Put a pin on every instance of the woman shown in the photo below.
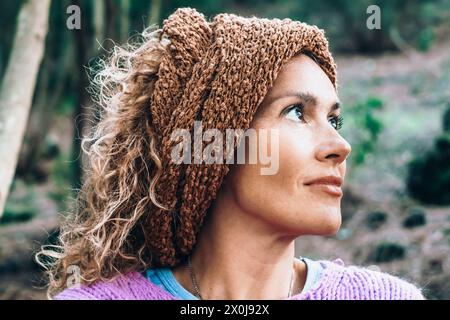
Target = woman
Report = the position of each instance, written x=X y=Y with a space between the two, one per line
x=156 y=222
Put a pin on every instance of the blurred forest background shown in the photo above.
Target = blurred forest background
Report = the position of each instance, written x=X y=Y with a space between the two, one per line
x=394 y=83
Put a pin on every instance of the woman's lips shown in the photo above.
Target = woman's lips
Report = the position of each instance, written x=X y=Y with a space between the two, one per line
x=328 y=184
x=328 y=188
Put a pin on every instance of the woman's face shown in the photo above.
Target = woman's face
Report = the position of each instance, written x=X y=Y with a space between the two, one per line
x=304 y=108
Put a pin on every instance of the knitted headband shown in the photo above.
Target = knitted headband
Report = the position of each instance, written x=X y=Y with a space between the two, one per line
x=217 y=72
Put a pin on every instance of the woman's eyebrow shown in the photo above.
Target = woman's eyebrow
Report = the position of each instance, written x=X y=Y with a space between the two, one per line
x=306 y=97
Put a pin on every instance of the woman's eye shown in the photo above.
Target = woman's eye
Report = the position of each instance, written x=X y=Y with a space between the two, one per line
x=337 y=122
x=295 y=112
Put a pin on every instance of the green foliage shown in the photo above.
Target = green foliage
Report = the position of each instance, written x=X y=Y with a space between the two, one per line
x=429 y=174
x=8 y=15
x=62 y=176
x=425 y=39
x=345 y=22
x=446 y=233
x=415 y=218
x=50 y=150
x=21 y=205
x=387 y=252
x=370 y=126
x=376 y=219
x=16 y=213
x=61 y=171
x=66 y=107
x=446 y=119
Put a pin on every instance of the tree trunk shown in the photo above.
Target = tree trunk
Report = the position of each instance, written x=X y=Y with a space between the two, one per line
x=99 y=22
x=83 y=41
x=155 y=12
x=44 y=106
x=17 y=89
x=124 y=20
x=111 y=10
x=27 y=162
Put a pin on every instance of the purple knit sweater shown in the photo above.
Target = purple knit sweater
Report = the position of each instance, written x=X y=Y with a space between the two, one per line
x=338 y=282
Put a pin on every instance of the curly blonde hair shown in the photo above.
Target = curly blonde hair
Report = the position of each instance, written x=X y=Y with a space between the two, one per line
x=107 y=234
x=136 y=208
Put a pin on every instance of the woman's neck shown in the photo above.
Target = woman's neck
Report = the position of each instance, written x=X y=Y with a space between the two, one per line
x=240 y=257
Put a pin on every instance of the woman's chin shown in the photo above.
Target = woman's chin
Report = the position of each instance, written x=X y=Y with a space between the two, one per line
x=329 y=223
x=332 y=229
x=333 y=224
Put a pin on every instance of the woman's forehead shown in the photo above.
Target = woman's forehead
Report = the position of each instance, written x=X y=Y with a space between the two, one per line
x=299 y=72
x=303 y=78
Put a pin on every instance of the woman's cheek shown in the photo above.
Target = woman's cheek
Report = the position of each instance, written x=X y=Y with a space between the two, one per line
x=296 y=151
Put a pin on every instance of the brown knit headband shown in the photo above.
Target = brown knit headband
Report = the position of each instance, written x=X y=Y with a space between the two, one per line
x=217 y=72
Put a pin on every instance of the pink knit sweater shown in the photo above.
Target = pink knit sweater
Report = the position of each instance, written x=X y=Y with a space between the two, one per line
x=338 y=282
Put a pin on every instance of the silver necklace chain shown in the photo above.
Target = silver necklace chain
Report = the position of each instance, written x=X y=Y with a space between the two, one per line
x=197 y=289
x=194 y=280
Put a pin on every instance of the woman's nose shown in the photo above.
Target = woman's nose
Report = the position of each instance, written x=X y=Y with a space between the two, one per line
x=335 y=149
